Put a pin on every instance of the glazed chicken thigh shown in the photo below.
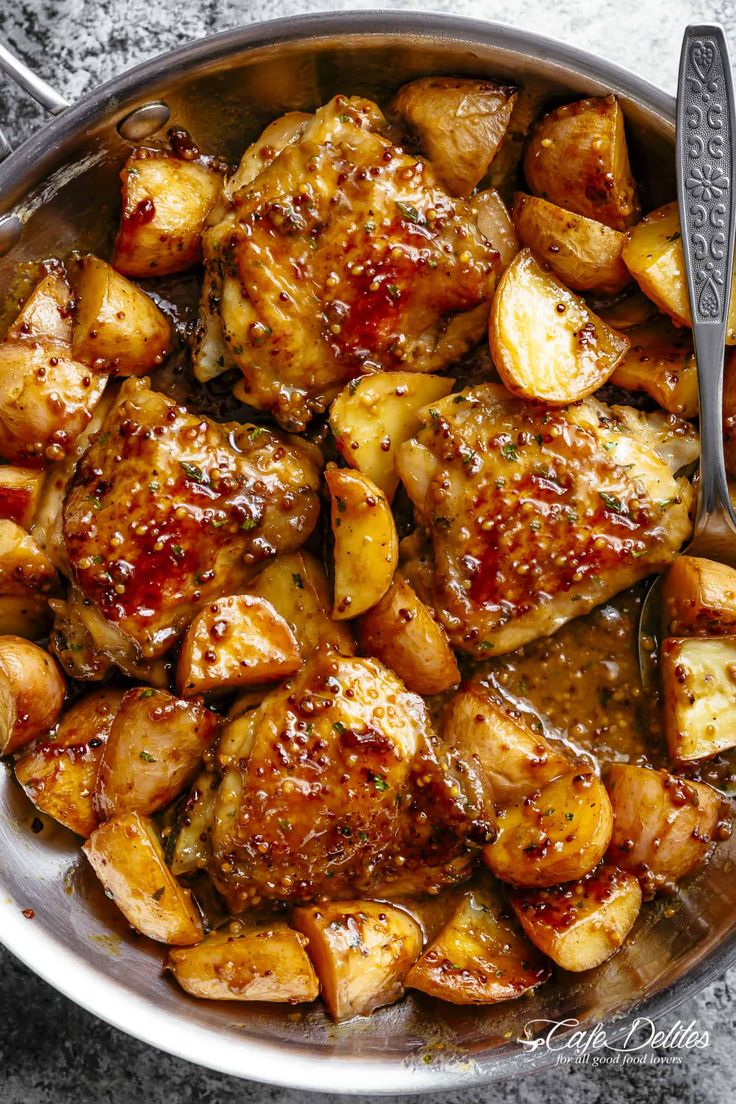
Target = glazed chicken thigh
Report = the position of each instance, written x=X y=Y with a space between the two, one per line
x=529 y=516
x=168 y=510
x=340 y=789
x=343 y=255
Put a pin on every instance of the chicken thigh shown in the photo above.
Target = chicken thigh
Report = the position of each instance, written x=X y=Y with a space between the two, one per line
x=529 y=517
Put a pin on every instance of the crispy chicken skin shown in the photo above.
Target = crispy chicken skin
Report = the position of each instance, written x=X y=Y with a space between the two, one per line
x=344 y=255
x=529 y=517
x=342 y=791
x=168 y=510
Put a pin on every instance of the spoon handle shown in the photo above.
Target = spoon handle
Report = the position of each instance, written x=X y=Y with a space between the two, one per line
x=706 y=167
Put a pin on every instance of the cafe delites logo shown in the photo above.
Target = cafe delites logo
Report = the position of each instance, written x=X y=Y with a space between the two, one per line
x=642 y=1044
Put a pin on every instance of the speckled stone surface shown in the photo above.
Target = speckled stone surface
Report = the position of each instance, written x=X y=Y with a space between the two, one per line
x=51 y=1052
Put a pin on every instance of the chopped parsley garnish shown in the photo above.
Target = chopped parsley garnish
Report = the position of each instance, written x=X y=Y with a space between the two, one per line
x=509 y=451
x=297 y=580
x=612 y=503
x=193 y=472
x=409 y=213
x=147 y=757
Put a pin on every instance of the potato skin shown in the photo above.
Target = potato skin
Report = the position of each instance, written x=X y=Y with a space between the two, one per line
x=583 y=253
x=698 y=678
x=236 y=641
x=545 y=341
x=496 y=226
x=478 y=957
x=20 y=491
x=38 y=690
x=241 y=964
x=126 y=855
x=516 y=760
x=459 y=123
x=165 y=204
x=59 y=774
x=558 y=834
x=661 y=363
x=117 y=328
x=366 y=542
x=152 y=753
x=362 y=951
x=401 y=631
x=699 y=598
x=46 y=316
x=663 y=826
x=580 y=924
x=577 y=157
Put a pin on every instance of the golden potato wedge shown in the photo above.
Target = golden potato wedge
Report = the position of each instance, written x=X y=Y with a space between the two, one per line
x=46 y=316
x=459 y=124
x=577 y=157
x=402 y=632
x=366 y=542
x=165 y=204
x=246 y=963
x=60 y=771
x=479 y=956
x=20 y=491
x=557 y=834
x=546 y=343
x=126 y=855
x=117 y=328
x=661 y=363
x=38 y=690
x=361 y=950
x=26 y=615
x=153 y=751
x=375 y=414
x=46 y=400
x=496 y=226
x=698 y=598
x=580 y=924
x=236 y=641
x=653 y=255
x=633 y=308
x=516 y=760
x=698 y=678
x=190 y=847
x=296 y=586
x=24 y=568
x=583 y=253
x=663 y=826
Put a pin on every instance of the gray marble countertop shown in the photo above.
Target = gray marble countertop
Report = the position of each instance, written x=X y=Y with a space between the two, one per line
x=51 y=1052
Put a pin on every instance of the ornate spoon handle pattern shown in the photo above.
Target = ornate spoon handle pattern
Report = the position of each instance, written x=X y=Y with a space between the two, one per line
x=706 y=167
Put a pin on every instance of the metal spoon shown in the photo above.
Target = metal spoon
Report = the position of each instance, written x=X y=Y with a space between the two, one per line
x=706 y=192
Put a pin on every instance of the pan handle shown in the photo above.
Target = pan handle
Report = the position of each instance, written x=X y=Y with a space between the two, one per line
x=26 y=79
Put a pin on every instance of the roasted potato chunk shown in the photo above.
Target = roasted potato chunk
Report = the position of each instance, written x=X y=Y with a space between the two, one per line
x=247 y=964
x=633 y=308
x=546 y=343
x=661 y=363
x=189 y=849
x=516 y=760
x=653 y=254
x=152 y=753
x=26 y=615
x=479 y=956
x=20 y=491
x=60 y=771
x=459 y=124
x=558 y=834
x=699 y=693
x=577 y=157
x=496 y=226
x=376 y=414
x=362 y=952
x=236 y=641
x=46 y=400
x=118 y=328
x=401 y=631
x=366 y=543
x=583 y=253
x=663 y=826
x=699 y=598
x=126 y=855
x=165 y=204
x=37 y=687
x=580 y=924
x=46 y=316
x=24 y=567
x=297 y=588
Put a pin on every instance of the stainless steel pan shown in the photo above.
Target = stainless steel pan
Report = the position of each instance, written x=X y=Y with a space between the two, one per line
x=61 y=188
